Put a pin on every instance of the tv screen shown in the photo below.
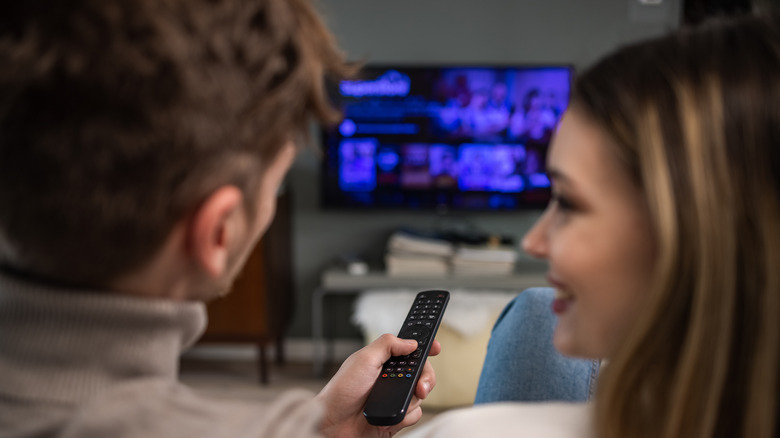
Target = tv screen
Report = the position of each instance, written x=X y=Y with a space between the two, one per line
x=462 y=138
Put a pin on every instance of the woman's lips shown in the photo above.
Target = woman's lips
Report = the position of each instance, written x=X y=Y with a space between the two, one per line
x=560 y=305
x=563 y=298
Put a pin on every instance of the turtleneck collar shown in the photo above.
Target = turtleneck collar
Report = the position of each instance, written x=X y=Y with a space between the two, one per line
x=66 y=344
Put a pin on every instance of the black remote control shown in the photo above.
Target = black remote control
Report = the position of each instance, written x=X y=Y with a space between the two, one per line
x=389 y=399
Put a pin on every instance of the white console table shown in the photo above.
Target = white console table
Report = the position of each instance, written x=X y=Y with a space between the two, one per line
x=338 y=281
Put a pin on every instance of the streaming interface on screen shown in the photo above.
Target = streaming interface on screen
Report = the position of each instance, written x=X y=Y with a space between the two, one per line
x=458 y=138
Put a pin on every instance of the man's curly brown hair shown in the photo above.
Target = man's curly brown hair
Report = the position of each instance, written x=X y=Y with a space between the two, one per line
x=117 y=118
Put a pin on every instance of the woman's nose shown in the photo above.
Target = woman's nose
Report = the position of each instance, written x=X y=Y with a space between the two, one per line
x=535 y=240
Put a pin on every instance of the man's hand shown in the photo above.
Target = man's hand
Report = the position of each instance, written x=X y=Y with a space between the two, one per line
x=346 y=393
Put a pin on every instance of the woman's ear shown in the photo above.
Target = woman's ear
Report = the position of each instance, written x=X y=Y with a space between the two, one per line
x=213 y=229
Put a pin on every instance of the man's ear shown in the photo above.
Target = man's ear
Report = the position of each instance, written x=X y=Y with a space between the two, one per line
x=213 y=228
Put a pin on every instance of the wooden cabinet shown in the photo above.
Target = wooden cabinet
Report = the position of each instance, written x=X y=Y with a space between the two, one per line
x=260 y=305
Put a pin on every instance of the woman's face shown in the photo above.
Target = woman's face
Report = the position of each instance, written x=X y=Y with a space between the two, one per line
x=597 y=238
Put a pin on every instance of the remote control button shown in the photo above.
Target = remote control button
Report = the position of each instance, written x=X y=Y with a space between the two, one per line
x=408 y=376
x=384 y=376
x=422 y=332
x=412 y=362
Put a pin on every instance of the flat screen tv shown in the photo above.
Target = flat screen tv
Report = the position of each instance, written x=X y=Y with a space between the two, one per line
x=444 y=138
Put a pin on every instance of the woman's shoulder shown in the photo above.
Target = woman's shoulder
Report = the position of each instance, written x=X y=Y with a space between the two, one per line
x=517 y=420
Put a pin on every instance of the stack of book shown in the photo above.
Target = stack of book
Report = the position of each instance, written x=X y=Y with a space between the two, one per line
x=415 y=253
x=484 y=259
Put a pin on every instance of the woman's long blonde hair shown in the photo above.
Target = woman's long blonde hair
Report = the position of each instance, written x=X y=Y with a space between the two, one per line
x=696 y=116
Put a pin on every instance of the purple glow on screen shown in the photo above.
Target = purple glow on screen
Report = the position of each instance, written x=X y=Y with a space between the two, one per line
x=463 y=137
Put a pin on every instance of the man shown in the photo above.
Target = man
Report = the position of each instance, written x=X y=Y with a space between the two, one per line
x=142 y=143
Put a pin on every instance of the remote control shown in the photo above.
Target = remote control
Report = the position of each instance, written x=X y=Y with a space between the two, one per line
x=390 y=397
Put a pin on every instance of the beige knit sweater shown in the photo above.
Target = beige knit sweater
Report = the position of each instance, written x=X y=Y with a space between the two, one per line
x=93 y=364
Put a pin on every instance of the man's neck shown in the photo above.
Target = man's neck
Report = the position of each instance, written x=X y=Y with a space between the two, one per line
x=167 y=274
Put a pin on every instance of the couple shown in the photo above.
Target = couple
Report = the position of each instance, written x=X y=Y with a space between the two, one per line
x=141 y=147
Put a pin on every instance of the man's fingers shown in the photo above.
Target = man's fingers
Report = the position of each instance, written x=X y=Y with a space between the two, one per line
x=401 y=347
x=412 y=417
x=435 y=348
x=426 y=383
x=385 y=346
x=389 y=345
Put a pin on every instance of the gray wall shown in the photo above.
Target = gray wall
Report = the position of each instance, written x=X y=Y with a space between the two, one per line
x=446 y=31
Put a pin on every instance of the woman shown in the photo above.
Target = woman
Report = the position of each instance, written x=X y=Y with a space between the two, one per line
x=663 y=242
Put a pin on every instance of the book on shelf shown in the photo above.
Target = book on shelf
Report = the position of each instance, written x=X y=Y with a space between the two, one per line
x=476 y=267
x=414 y=252
x=484 y=260
x=486 y=253
x=405 y=241
x=416 y=264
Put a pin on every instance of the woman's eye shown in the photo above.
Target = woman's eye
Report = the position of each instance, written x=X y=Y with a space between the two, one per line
x=563 y=203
